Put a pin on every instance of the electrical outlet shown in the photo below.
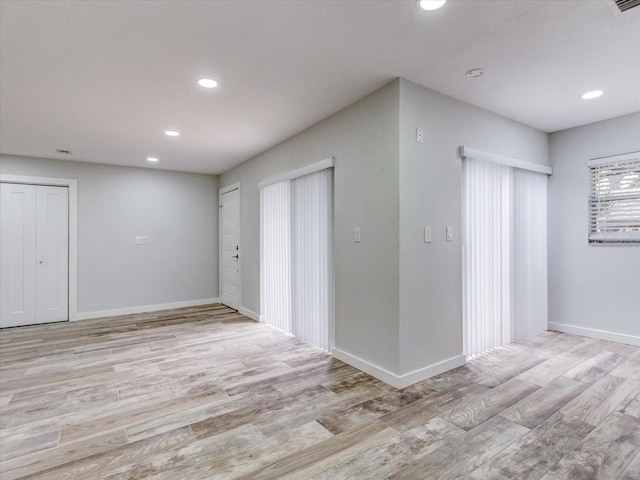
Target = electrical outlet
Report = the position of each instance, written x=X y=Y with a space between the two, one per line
x=419 y=135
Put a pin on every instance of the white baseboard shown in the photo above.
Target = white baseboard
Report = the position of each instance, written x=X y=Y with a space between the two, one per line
x=404 y=380
x=143 y=309
x=249 y=313
x=593 y=333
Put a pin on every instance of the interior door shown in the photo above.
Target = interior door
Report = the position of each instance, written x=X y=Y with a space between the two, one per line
x=230 y=248
x=34 y=250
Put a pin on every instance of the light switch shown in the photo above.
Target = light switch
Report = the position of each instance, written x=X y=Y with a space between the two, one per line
x=142 y=240
x=356 y=235
x=449 y=234
x=427 y=234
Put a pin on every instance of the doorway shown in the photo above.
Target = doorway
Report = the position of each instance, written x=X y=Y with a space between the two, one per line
x=34 y=254
x=230 y=246
x=296 y=254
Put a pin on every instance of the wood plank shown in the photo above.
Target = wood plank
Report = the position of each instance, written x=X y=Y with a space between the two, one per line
x=460 y=456
x=605 y=453
x=204 y=392
x=316 y=458
x=536 y=452
x=473 y=411
x=541 y=404
x=394 y=454
x=599 y=400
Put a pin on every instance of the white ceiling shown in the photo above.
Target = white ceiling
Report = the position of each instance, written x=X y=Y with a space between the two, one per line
x=105 y=79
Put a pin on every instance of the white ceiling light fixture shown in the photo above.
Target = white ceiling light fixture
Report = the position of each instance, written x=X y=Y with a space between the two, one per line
x=207 y=83
x=171 y=133
x=475 y=73
x=430 y=5
x=592 y=94
x=152 y=159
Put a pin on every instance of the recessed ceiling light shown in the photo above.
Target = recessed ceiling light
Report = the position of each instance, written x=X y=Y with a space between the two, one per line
x=207 y=83
x=592 y=94
x=171 y=133
x=152 y=159
x=475 y=73
x=431 y=4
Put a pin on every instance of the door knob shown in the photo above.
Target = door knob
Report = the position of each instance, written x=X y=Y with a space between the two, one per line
x=41 y=262
x=235 y=256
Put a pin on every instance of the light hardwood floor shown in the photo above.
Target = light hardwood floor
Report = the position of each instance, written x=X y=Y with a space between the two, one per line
x=207 y=393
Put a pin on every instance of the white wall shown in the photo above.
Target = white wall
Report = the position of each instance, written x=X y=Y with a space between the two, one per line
x=177 y=211
x=593 y=288
x=430 y=195
x=363 y=139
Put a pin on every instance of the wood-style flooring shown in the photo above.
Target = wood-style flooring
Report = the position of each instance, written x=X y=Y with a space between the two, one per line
x=207 y=393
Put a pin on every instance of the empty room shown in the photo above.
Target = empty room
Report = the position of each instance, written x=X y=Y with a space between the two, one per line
x=320 y=239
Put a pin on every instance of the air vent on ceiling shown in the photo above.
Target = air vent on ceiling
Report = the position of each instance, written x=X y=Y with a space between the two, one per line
x=65 y=152
x=620 y=6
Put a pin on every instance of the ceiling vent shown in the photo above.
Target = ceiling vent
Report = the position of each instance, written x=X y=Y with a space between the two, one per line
x=621 y=6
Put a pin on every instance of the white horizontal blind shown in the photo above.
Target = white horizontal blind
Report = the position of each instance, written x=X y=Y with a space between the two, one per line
x=275 y=271
x=529 y=257
x=614 y=201
x=312 y=258
x=487 y=257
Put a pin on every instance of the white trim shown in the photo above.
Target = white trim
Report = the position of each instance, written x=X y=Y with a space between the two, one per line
x=613 y=158
x=406 y=379
x=222 y=191
x=468 y=152
x=72 y=184
x=249 y=313
x=593 y=333
x=299 y=172
x=144 y=309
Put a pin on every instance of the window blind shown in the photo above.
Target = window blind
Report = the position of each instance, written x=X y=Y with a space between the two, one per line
x=504 y=254
x=275 y=257
x=296 y=294
x=614 y=199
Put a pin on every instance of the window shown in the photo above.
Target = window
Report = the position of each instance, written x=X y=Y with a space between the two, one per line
x=614 y=199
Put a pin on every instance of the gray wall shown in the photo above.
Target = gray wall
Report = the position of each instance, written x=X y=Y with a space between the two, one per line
x=363 y=139
x=591 y=286
x=177 y=211
x=398 y=300
x=430 y=195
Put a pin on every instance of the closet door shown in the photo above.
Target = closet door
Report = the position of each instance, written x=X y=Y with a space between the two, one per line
x=52 y=254
x=34 y=254
x=17 y=254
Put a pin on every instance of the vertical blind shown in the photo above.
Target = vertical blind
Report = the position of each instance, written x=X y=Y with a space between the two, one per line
x=311 y=253
x=275 y=257
x=487 y=256
x=529 y=264
x=505 y=254
x=297 y=257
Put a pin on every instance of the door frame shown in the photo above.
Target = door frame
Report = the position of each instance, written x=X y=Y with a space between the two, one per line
x=72 y=184
x=222 y=191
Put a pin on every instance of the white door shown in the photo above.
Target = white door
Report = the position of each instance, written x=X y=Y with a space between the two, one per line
x=34 y=252
x=230 y=248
